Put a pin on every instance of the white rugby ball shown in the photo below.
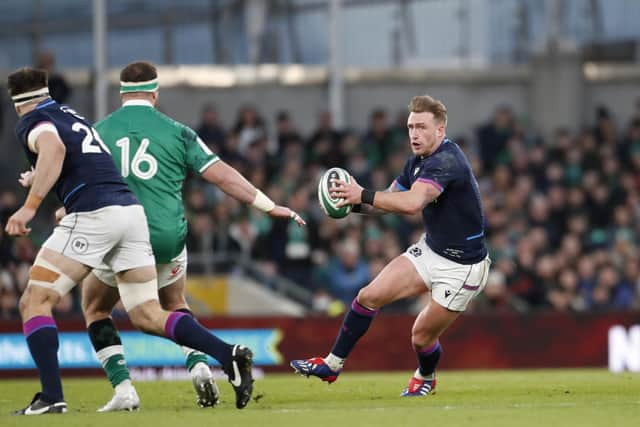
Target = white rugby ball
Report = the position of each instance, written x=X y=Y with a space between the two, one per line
x=327 y=202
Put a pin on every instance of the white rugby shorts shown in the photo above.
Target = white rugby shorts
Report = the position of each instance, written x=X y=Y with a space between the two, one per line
x=116 y=236
x=452 y=285
x=168 y=273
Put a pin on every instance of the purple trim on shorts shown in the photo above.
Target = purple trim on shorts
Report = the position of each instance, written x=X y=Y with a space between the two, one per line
x=425 y=351
x=172 y=321
x=36 y=323
x=470 y=287
x=360 y=309
x=430 y=181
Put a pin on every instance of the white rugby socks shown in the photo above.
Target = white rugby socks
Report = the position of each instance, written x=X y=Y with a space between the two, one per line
x=419 y=376
x=335 y=363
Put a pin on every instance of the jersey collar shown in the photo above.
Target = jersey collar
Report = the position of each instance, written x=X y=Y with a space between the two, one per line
x=137 y=102
x=45 y=103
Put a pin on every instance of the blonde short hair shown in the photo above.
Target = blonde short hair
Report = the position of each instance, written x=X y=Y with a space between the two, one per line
x=427 y=104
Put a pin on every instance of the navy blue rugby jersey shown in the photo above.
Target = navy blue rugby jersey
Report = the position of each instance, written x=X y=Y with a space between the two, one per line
x=89 y=179
x=454 y=222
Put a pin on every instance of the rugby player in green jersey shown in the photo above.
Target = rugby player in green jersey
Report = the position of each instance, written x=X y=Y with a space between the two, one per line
x=153 y=153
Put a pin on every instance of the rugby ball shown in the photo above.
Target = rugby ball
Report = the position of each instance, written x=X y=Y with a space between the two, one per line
x=327 y=202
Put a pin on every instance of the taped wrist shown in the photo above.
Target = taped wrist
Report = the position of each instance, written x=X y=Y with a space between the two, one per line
x=368 y=196
x=33 y=202
x=262 y=202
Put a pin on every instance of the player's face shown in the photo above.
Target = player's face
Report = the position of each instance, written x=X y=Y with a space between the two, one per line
x=424 y=133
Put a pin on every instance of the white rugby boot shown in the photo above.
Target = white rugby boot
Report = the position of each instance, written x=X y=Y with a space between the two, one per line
x=124 y=399
x=205 y=386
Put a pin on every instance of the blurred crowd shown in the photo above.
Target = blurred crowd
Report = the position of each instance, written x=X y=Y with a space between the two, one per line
x=563 y=213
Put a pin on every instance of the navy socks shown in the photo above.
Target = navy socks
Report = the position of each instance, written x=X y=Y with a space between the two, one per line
x=355 y=324
x=184 y=330
x=42 y=338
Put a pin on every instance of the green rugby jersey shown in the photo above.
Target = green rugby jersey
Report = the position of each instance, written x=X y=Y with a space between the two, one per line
x=152 y=152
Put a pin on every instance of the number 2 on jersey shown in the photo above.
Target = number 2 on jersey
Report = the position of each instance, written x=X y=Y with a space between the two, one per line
x=139 y=158
x=90 y=136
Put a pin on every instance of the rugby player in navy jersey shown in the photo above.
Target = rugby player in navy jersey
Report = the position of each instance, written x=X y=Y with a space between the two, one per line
x=105 y=223
x=450 y=259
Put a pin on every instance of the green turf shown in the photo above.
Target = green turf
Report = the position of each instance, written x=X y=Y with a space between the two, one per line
x=470 y=399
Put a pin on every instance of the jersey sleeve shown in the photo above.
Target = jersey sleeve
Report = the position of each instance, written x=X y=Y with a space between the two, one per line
x=402 y=182
x=199 y=157
x=38 y=130
x=440 y=171
x=36 y=125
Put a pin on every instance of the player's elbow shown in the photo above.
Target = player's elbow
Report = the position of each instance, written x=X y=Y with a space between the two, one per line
x=412 y=211
x=61 y=150
x=414 y=207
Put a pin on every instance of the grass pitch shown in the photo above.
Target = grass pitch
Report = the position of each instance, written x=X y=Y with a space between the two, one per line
x=470 y=399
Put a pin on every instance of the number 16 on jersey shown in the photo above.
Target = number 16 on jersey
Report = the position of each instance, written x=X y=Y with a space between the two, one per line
x=141 y=157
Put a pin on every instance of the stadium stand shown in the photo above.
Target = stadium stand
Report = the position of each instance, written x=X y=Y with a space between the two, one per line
x=562 y=213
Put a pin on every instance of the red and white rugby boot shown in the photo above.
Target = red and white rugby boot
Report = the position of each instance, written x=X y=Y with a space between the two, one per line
x=315 y=366
x=420 y=387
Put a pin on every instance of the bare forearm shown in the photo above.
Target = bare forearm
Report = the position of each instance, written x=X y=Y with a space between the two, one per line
x=368 y=210
x=235 y=185
x=230 y=181
x=398 y=202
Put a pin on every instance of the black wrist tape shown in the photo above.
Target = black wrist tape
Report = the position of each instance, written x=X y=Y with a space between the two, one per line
x=367 y=196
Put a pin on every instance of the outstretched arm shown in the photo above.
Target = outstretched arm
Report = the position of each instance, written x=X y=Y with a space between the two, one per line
x=230 y=181
x=369 y=209
x=408 y=202
x=235 y=185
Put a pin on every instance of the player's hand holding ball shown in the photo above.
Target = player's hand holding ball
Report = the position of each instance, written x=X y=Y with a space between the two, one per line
x=338 y=192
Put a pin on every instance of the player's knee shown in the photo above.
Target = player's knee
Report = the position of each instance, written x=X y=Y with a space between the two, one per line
x=46 y=286
x=47 y=281
x=25 y=302
x=92 y=312
x=421 y=337
x=172 y=301
x=36 y=300
x=142 y=321
x=173 y=305
x=146 y=317
x=141 y=302
x=369 y=298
